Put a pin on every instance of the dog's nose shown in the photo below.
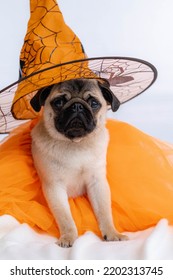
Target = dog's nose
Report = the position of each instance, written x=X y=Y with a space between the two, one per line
x=77 y=107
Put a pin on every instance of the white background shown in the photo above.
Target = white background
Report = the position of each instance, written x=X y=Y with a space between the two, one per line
x=141 y=29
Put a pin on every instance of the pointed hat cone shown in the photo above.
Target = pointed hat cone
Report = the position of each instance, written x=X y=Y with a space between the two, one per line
x=52 y=53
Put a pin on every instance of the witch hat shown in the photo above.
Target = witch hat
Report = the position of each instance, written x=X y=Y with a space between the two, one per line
x=51 y=54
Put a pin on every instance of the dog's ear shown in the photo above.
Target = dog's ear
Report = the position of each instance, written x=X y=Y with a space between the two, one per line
x=39 y=98
x=109 y=95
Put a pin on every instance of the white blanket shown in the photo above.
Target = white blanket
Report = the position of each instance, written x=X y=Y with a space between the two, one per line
x=19 y=241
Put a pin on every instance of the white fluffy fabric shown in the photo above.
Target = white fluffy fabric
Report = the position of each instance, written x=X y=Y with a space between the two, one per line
x=19 y=241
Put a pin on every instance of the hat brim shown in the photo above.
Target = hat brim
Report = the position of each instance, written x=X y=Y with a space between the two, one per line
x=128 y=77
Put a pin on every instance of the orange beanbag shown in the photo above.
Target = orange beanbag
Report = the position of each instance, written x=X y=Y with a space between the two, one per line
x=139 y=171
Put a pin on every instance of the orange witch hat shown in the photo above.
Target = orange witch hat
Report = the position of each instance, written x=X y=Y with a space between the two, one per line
x=52 y=53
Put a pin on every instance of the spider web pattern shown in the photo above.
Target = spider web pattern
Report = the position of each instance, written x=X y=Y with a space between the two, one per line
x=7 y=121
x=51 y=54
x=127 y=77
x=49 y=40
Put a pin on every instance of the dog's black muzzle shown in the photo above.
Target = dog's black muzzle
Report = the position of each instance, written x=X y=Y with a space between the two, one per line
x=75 y=121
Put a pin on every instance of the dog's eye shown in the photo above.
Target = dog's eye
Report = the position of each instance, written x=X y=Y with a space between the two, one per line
x=59 y=102
x=93 y=103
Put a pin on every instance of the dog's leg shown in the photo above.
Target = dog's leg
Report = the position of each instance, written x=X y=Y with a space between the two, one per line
x=99 y=195
x=58 y=202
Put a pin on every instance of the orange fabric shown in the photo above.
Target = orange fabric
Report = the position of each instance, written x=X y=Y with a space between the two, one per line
x=139 y=170
x=52 y=53
x=48 y=42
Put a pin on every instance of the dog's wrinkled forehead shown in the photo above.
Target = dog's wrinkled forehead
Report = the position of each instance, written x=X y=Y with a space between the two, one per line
x=76 y=88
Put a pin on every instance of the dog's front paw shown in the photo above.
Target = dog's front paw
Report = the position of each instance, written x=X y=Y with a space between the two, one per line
x=115 y=236
x=66 y=240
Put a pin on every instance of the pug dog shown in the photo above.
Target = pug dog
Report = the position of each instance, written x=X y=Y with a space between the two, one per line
x=69 y=147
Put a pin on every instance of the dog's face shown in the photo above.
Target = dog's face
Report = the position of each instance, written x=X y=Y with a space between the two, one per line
x=74 y=108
